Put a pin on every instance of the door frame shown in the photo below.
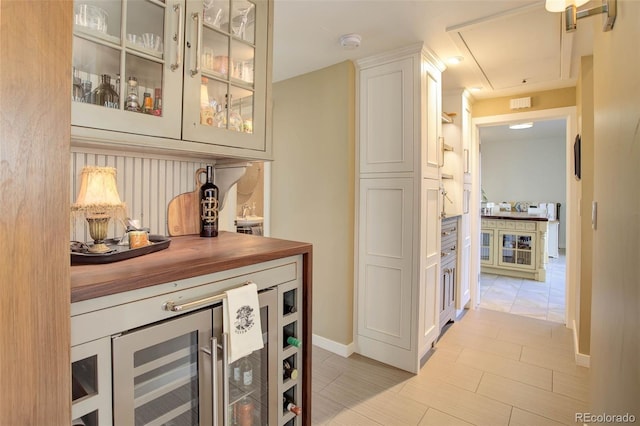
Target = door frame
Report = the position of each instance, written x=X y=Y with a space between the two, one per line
x=572 y=278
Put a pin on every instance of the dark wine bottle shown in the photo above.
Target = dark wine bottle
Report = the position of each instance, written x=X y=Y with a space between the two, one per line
x=289 y=309
x=288 y=372
x=290 y=406
x=209 y=207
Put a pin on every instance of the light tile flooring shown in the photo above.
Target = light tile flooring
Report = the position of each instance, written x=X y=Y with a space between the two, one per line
x=490 y=368
x=535 y=299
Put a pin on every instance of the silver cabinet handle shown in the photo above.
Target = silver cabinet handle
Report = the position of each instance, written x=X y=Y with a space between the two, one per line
x=196 y=18
x=443 y=254
x=445 y=233
x=225 y=377
x=175 y=307
x=178 y=36
x=213 y=353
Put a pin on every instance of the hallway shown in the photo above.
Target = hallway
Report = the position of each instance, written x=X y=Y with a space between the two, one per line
x=490 y=368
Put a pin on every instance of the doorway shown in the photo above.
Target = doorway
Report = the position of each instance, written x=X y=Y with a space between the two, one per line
x=523 y=168
x=522 y=296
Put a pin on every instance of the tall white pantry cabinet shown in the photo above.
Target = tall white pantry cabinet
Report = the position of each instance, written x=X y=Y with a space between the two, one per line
x=397 y=199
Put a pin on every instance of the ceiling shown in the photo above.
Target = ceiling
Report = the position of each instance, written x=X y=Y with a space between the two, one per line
x=544 y=129
x=508 y=47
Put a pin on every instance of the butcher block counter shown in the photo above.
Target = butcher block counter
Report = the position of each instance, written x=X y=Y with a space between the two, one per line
x=143 y=304
x=516 y=216
x=186 y=257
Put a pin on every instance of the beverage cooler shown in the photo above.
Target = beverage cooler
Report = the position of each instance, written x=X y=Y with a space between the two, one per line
x=176 y=372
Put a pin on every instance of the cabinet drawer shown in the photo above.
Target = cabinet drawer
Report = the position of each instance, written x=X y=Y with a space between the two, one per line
x=488 y=223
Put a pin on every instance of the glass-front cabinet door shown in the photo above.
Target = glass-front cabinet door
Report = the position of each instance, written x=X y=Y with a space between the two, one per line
x=127 y=66
x=517 y=250
x=224 y=85
x=486 y=247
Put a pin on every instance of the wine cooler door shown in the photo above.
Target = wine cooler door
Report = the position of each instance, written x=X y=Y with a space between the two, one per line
x=162 y=373
x=248 y=396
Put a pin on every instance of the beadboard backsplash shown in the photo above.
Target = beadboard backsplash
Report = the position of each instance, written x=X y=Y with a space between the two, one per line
x=145 y=183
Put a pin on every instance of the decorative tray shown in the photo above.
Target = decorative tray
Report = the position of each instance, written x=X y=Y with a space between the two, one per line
x=81 y=256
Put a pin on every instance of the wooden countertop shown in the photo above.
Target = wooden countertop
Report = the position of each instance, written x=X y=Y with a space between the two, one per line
x=516 y=216
x=186 y=257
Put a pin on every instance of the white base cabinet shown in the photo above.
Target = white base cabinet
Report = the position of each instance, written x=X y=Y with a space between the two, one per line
x=157 y=357
x=398 y=207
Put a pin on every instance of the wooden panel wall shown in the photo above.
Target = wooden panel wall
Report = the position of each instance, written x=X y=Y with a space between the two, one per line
x=35 y=117
x=145 y=183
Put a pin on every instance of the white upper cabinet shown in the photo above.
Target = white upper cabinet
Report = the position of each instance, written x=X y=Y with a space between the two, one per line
x=399 y=113
x=190 y=77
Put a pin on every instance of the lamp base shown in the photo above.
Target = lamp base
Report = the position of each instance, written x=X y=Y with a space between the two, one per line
x=98 y=231
x=98 y=248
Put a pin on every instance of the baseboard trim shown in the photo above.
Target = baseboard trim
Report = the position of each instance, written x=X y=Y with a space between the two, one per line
x=333 y=346
x=581 y=359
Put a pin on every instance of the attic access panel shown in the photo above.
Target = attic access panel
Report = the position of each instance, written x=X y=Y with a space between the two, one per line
x=513 y=47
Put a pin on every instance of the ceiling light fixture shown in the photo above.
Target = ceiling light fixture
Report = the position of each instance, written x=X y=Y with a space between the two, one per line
x=476 y=89
x=350 y=41
x=455 y=60
x=521 y=126
x=572 y=14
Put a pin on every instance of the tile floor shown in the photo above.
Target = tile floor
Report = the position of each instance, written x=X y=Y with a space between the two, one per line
x=535 y=299
x=489 y=368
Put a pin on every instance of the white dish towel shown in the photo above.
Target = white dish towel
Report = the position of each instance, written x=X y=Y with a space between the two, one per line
x=242 y=321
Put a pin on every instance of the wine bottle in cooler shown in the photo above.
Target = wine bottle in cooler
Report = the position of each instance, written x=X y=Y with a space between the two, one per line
x=288 y=372
x=209 y=207
x=290 y=406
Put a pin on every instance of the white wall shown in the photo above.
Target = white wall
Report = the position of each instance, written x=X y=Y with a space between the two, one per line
x=526 y=170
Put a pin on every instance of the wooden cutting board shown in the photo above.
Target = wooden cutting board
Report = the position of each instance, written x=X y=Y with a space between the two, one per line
x=184 y=209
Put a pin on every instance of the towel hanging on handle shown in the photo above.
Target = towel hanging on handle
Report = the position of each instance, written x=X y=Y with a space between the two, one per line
x=242 y=321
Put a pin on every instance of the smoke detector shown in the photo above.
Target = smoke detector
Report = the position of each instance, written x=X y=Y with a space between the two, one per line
x=350 y=41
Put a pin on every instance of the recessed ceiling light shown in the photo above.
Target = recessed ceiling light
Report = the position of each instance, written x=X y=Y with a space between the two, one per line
x=455 y=60
x=350 y=41
x=521 y=126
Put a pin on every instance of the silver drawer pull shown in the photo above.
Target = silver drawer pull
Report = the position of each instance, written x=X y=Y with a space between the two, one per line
x=178 y=307
x=445 y=233
x=443 y=254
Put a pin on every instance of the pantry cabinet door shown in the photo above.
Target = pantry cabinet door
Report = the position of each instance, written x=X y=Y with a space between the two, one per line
x=385 y=293
x=387 y=117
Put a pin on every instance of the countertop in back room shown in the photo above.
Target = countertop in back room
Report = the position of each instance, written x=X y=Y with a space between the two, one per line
x=516 y=216
x=186 y=257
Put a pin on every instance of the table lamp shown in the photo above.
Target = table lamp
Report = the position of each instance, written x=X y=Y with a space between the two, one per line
x=98 y=201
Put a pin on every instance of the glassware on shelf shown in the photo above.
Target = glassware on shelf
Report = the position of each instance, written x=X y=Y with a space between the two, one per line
x=77 y=93
x=88 y=94
x=147 y=103
x=104 y=95
x=206 y=111
x=157 y=104
x=91 y=17
x=133 y=101
x=220 y=119
x=235 y=121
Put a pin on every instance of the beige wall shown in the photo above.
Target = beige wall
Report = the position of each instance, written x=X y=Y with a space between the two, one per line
x=548 y=99
x=585 y=122
x=615 y=324
x=312 y=181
